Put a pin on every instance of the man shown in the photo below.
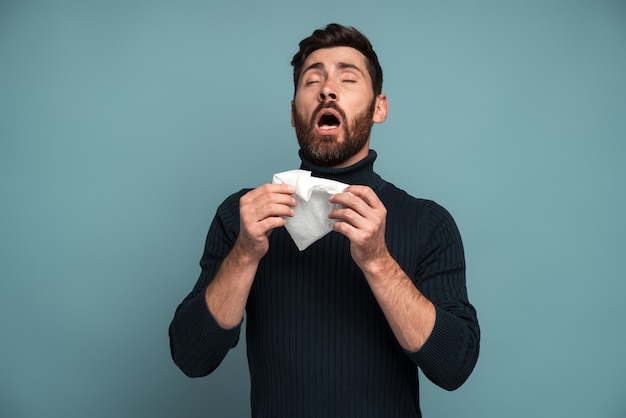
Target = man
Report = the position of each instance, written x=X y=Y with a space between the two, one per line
x=341 y=328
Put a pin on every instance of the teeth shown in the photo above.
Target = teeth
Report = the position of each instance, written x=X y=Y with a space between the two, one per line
x=327 y=127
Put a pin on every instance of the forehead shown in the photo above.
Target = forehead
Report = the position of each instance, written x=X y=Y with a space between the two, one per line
x=331 y=57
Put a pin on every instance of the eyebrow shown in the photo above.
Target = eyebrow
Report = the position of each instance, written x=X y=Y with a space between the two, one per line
x=340 y=65
x=346 y=65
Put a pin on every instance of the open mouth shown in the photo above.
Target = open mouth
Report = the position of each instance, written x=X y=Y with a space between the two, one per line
x=328 y=120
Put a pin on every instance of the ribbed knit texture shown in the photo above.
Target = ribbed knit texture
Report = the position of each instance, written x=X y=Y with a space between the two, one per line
x=318 y=343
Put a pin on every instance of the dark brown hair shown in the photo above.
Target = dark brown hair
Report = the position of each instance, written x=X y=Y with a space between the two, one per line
x=337 y=35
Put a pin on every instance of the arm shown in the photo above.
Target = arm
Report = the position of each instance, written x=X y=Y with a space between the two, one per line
x=206 y=325
x=433 y=327
x=363 y=223
x=261 y=210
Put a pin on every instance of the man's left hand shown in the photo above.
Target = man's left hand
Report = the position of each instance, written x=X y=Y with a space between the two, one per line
x=361 y=218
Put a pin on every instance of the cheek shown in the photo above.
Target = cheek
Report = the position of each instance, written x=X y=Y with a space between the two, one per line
x=359 y=109
x=300 y=112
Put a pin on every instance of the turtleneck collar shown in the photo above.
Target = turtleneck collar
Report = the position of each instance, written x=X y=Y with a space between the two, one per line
x=361 y=173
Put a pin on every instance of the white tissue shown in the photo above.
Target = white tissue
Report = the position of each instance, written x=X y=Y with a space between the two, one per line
x=310 y=221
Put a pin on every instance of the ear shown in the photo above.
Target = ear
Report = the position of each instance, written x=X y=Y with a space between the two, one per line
x=293 y=109
x=381 y=109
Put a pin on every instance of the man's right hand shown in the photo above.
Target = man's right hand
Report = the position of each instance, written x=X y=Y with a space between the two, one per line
x=261 y=211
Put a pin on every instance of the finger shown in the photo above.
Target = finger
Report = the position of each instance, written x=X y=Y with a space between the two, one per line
x=365 y=193
x=285 y=189
x=344 y=228
x=257 y=225
x=279 y=188
x=350 y=217
x=351 y=201
x=357 y=235
x=259 y=212
x=268 y=224
x=267 y=196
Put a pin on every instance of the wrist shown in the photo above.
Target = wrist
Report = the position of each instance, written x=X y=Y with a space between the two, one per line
x=241 y=256
x=379 y=270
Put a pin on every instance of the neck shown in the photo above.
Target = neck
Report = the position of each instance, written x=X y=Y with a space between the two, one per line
x=361 y=172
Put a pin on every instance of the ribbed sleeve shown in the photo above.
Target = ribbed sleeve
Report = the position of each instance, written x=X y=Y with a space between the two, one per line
x=438 y=271
x=449 y=355
x=198 y=344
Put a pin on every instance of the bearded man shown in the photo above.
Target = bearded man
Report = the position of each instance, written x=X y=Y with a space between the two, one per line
x=341 y=328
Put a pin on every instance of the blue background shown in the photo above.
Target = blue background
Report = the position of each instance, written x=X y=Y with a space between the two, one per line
x=123 y=124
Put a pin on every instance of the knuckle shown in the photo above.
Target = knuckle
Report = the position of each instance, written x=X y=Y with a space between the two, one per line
x=349 y=215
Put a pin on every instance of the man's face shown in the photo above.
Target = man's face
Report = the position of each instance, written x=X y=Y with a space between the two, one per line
x=334 y=107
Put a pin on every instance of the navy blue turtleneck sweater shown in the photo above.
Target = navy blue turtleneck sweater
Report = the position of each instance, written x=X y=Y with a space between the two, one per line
x=318 y=343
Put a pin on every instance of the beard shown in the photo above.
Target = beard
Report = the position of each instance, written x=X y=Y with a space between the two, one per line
x=325 y=150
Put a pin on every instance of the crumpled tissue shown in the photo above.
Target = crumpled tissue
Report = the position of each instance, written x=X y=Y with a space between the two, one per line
x=310 y=221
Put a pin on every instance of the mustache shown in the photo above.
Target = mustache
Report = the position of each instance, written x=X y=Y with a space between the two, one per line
x=328 y=105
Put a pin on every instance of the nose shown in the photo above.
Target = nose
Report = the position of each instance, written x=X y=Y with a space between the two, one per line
x=328 y=93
